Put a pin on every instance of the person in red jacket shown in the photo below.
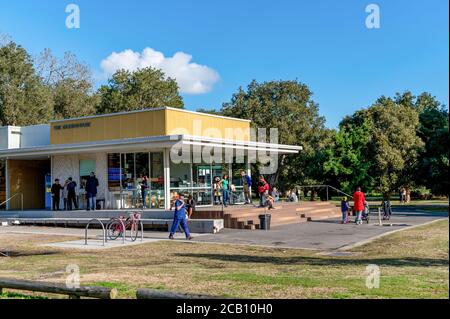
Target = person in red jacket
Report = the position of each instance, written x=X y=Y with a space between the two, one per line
x=263 y=188
x=358 y=204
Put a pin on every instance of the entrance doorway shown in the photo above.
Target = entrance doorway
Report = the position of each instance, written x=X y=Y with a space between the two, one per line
x=27 y=177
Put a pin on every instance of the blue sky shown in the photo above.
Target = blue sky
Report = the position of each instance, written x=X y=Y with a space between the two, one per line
x=322 y=43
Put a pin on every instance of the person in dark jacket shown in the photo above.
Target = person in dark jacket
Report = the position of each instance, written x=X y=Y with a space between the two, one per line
x=56 y=194
x=71 y=195
x=247 y=184
x=91 y=191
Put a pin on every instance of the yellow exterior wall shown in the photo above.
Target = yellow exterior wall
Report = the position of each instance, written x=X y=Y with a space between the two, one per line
x=197 y=124
x=102 y=128
x=148 y=123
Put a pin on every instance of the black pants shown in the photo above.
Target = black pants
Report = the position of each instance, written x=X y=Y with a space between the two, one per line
x=56 y=200
x=71 y=198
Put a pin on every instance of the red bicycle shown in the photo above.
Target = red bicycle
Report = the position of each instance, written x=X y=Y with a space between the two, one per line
x=117 y=227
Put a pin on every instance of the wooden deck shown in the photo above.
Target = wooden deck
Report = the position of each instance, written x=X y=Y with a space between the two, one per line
x=246 y=216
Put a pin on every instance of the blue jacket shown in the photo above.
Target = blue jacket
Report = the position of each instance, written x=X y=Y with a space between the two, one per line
x=248 y=179
x=179 y=213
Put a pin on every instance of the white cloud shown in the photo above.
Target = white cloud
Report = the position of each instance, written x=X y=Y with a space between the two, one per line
x=192 y=78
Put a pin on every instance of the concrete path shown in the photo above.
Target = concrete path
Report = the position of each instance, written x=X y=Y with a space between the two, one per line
x=321 y=235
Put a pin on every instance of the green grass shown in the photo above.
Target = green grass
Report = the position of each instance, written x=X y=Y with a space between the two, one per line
x=414 y=263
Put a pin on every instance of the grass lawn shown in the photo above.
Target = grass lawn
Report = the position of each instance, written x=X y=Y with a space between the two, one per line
x=414 y=264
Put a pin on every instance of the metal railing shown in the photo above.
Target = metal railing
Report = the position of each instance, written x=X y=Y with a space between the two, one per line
x=13 y=196
x=327 y=189
x=86 y=230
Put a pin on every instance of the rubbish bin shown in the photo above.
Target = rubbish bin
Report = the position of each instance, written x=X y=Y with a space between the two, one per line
x=264 y=221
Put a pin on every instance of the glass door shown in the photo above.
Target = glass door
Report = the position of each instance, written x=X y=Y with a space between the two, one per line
x=202 y=180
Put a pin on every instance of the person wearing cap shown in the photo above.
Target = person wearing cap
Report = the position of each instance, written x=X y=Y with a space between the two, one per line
x=179 y=218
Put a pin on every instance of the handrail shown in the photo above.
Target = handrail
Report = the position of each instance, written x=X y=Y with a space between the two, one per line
x=327 y=186
x=21 y=200
x=87 y=226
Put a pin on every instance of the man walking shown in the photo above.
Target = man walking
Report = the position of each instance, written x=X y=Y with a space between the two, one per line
x=179 y=218
x=358 y=204
x=56 y=194
x=247 y=183
x=91 y=191
x=71 y=195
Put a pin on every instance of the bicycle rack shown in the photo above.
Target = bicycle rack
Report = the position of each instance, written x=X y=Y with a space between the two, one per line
x=87 y=226
x=123 y=227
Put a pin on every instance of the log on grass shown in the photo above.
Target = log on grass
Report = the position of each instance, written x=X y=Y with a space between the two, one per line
x=145 y=293
x=57 y=288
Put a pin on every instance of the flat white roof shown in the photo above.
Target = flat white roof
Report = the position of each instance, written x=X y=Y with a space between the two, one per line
x=144 y=143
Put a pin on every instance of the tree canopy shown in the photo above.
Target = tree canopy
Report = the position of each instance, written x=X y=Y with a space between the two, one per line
x=24 y=99
x=144 y=88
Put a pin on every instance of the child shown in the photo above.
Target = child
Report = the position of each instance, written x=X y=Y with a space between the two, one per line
x=345 y=207
x=269 y=201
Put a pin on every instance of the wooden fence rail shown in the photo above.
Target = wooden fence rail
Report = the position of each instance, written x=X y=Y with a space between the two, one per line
x=56 y=288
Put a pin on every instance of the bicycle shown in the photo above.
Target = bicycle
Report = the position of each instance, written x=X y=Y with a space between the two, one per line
x=115 y=227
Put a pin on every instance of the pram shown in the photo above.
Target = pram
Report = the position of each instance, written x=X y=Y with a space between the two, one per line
x=387 y=210
x=366 y=213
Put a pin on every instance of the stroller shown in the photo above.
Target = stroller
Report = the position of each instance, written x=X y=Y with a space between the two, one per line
x=366 y=213
x=387 y=210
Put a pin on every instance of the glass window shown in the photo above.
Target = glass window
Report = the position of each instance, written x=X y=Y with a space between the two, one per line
x=157 y=180
x=86 y=167
x=128 y=171
x=114 y=172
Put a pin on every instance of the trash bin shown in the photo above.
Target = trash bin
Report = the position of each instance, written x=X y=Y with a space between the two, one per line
x=264 y=221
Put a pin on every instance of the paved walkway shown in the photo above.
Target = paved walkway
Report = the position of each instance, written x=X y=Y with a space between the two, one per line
x=322 y=235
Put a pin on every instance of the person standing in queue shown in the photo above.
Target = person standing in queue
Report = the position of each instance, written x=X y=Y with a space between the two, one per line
x=144 y=188
x=91 y=191
x=225 y=187
x=56 y=194
x=71 y=195
x=179 y=218
x=247 y=184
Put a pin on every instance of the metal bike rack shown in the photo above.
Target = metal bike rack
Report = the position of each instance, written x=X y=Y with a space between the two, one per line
x=123 y=227
x=87 y=226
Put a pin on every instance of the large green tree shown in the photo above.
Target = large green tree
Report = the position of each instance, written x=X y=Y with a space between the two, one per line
x=347 y=165
x=287 y=106
x=379 y=147
x=24 y=99
x=433 y=167
x=144 y=88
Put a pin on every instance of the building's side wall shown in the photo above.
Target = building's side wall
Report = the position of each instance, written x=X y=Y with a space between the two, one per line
x=27 y=177
x=137 y=124
x=35 y=135
x=179 y=122
x=66 y=166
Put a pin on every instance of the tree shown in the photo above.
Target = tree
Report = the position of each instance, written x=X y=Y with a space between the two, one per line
x=71 y=83
x=287 y=106
x=346 y=164
x=384 y=148
x=24 y=99
x=433 y=167
x=144 y=88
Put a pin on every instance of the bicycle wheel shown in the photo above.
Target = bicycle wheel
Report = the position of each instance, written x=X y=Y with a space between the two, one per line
x=114 y=230
x=134 y=230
